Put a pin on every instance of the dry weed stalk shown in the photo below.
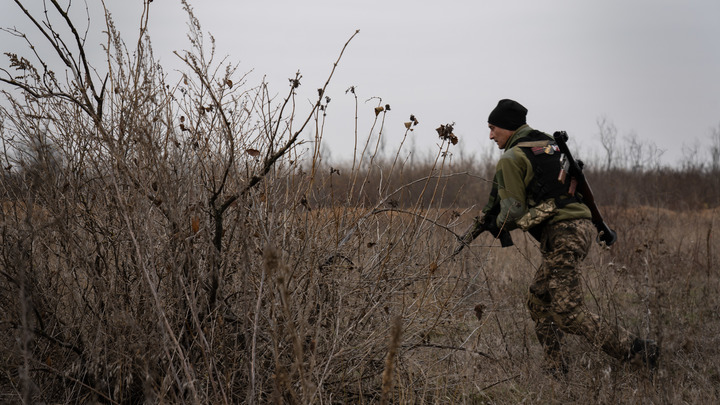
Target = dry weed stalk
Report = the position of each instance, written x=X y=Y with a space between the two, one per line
x=171 y=242
x=387 y=376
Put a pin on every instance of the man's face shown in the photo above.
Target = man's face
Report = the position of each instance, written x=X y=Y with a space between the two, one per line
x=500 y=135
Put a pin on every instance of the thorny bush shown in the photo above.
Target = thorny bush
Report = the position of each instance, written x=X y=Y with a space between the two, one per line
x=172 y=242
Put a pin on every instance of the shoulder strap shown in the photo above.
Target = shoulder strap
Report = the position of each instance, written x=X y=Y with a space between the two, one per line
x=532 y=144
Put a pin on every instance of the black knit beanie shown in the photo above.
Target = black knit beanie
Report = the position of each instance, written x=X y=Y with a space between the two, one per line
x=508 y=114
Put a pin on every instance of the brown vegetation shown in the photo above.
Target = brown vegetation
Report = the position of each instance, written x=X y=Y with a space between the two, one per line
x=181 y=249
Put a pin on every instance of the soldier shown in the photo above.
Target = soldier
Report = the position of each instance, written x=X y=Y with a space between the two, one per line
x=527 y=194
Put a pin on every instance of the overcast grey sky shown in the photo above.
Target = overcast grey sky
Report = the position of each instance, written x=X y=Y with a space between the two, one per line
x=649 y=66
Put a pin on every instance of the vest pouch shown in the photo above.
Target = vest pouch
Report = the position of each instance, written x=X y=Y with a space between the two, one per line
x=537 y=215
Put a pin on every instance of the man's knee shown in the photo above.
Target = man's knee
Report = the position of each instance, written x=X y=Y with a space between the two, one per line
x=538 y=303
x=578 y=321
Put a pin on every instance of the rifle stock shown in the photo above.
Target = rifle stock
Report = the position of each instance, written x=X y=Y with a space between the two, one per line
x=606 y=234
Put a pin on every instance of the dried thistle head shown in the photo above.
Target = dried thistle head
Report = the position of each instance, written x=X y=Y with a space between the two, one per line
x=413 y=121
x=445 y=132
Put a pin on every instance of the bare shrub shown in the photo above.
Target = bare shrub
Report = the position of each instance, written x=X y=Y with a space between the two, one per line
x=170 y=242
x=176 y=254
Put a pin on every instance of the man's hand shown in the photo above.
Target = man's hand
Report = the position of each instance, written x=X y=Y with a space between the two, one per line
x=499 y=233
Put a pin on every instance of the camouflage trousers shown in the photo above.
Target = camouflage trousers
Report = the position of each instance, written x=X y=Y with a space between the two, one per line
x=555 y=299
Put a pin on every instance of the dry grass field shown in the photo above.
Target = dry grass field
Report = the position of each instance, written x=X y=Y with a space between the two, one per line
x=178 y=242
x=311 y=320
x=659 y=280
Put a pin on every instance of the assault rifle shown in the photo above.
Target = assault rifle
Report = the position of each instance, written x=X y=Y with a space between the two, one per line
x=479 y=227
x=578 y=181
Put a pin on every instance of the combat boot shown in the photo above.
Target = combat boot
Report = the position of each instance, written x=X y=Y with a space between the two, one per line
x=648 y=351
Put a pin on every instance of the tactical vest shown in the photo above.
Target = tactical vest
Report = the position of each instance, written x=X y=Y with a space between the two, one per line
x=544 y=155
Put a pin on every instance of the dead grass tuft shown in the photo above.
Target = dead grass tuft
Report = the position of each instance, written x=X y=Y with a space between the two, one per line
x=184 y=247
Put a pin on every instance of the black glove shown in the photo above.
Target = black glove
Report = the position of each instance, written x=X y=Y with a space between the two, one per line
x=490 y=222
